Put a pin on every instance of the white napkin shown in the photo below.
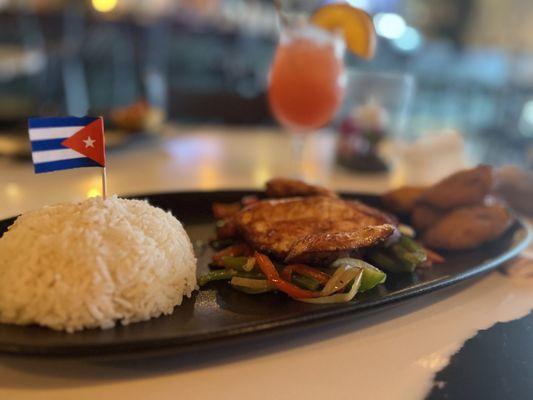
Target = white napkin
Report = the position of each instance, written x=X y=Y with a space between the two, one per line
x=432 y=157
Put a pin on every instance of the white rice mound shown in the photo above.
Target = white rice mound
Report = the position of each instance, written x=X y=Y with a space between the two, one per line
x=90 y=264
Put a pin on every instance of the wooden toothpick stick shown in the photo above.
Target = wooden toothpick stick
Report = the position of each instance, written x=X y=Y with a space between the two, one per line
x=104 y=183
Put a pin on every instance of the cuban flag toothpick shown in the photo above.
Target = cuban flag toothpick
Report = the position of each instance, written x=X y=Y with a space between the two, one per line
x=68 y=142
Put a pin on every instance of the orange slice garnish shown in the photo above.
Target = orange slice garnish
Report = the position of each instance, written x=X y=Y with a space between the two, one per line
x=355 y=25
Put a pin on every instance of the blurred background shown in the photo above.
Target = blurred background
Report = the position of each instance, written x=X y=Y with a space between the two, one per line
x=206 y=61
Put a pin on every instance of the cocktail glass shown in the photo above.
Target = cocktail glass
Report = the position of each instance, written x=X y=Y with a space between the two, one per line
x=307 y=82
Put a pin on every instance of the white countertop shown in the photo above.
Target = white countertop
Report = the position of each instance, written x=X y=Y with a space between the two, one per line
x=186 y=159
x=391 y=354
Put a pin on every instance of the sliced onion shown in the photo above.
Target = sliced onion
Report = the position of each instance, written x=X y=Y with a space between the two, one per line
x=396 y=235
x=339 y=297
x=339 y=262
x=252 y=286
x=407 y=230
x=353 y=262
x=340 y=279
x=250 y=263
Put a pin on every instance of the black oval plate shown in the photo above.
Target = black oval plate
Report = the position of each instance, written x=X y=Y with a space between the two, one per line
x=219 y=315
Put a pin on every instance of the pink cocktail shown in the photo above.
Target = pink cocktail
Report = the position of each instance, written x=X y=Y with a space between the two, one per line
x=307 y=80
x=306 y=83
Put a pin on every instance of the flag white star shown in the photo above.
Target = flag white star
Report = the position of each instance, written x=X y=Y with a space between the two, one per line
x=89 y=142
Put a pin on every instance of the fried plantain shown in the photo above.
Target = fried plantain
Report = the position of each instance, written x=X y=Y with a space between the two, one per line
x=468 y=227
x=515 y=185
x=424 y=216
x=403 y=199
x=464 y=188
x=285 y=187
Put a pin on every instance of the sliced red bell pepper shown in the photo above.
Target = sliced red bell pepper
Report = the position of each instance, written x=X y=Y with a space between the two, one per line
x=304 y=270
x=434 y=257
x=240 y=249
x=270 y=271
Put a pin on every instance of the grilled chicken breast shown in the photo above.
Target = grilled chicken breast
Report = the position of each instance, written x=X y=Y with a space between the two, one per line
x=312 y=229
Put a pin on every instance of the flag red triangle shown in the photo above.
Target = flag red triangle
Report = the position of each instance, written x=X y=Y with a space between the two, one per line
x=89 y=141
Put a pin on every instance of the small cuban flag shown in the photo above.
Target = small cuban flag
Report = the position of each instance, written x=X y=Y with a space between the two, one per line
x=64 y=143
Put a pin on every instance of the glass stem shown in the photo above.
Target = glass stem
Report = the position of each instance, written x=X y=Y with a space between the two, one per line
x=298 y=146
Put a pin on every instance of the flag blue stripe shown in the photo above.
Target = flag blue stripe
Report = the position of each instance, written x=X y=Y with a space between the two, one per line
x=59 y=122
x=50 y=144
x=65 y=164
